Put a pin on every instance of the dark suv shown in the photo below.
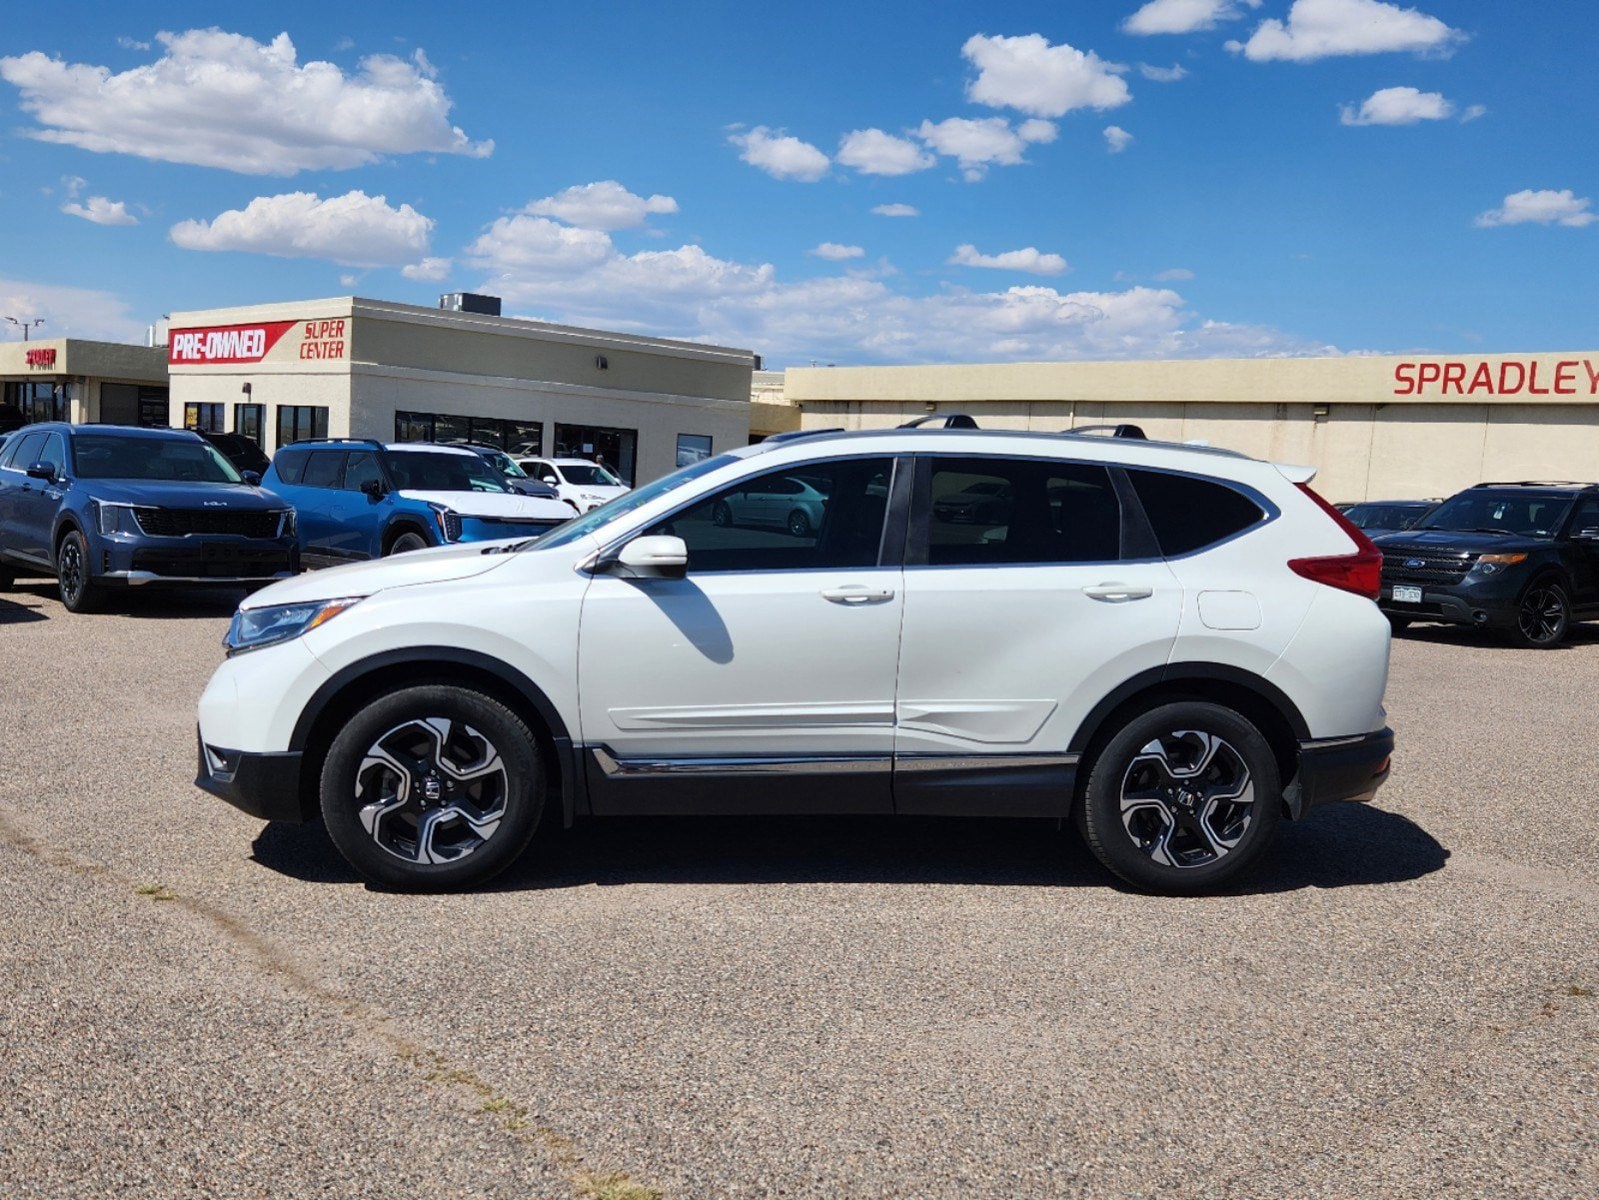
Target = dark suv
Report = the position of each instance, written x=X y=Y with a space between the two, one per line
x=99 y=505
x=1521 y=559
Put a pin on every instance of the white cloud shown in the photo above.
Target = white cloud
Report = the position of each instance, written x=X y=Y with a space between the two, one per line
x=101 y=211
x=780 y=156
x=1169 y=74
x=540 y=246
x=1043 y=80
x=979 y=143
x=604 y=205
x=220 y=99
x=353 y=230
x=1472 y=112
x=429 y=270
x=1324 y=28
x=1397 y=106
x=1175 y=275
x=835 y=252
x=74 y=184
x=349 y=281
x=70 y=311
x=1031 y=260
x=1184 y=16
x=1117 y=139
x=128 y=43
x=873 y=152
x=896 y=210
x=1545 y=207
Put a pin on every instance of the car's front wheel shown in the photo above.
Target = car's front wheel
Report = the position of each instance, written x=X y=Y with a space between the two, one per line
x=407 y=542
x=1182 y=798
x=79 y=592
x=1543 y=618
x=799 y=525
x=432 y=787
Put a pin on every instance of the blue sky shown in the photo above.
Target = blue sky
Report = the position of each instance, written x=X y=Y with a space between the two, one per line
x=1088 y=180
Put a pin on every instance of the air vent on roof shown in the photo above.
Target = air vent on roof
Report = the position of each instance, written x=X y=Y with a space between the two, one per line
x=471 y=302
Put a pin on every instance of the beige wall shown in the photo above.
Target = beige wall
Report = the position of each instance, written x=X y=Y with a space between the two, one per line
x=1360 y=421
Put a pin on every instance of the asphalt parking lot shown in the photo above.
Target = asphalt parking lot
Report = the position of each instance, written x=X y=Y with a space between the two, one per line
x=1402 y=1004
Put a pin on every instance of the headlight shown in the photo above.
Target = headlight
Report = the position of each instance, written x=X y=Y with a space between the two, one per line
x=116 y=518
x=449 y=522
x=253 y=628
x=288 y=523
x=1489 y=563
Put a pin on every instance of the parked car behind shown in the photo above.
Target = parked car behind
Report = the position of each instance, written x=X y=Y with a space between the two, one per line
x=242 y=452
x=587 y=485
x=1385 y=516
x=360 y=499
x=105 y=505
x=1177 y=648
x=518 y=480
x=1518 y=559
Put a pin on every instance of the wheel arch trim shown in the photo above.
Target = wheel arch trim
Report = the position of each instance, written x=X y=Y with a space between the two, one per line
x=1188 y=672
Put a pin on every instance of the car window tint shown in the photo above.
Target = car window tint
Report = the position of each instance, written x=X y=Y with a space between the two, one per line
x=1587 y=519
x=1188 y=514
x=26 y=452
x=290 y=464
x=361 y=468
x=323 y=469
x=832 y=517
x=997 y=511
x=54 y=453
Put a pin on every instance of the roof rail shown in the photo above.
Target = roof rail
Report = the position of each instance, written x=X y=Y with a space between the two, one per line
x=945 y=421
x=794 y=435
x=359 y=440
x=1121 y=431
x=1535 y=483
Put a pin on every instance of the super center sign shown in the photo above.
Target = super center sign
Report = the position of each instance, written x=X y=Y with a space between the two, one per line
x=265 y=342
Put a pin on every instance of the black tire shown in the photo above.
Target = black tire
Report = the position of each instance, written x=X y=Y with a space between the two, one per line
x=79 y=592
x=8 y=579
x=1543 y=615
x=799 y=525
x=1186 y=835
x=408 y=541
x=428 y=730
x=1398 y=624
x=721 y=514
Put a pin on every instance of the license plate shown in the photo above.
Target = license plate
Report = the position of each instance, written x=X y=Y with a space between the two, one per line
x=1407 y=595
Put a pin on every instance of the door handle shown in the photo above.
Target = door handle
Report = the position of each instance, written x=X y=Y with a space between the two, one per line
x=1118 y=592
x=856 y=593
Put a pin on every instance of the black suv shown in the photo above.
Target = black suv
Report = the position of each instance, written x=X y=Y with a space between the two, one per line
x=1518 y=558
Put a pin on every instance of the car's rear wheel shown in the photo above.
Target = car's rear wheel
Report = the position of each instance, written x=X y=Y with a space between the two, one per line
x=1182 y=798
x=407 y=542
x=79 y=592
x=1543 y=617
x=431 y=788
x=799 y=525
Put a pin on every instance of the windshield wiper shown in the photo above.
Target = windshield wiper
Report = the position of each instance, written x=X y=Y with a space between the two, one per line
x=1487 y=529
x=509 y=549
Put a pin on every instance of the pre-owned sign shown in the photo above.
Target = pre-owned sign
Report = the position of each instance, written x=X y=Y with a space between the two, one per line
x=1502 y=377
x=269 y=341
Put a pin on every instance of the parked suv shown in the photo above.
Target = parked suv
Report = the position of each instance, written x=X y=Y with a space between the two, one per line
x=1176 y=647
x=105 y=505
x=518 y=480
x=360 y=499
x=1521 y=559
x=587 y=485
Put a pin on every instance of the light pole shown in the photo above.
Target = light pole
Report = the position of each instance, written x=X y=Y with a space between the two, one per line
x=26 y=325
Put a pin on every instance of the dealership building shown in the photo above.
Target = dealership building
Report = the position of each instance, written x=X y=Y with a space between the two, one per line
x=399 y=372
x=1376 y=428
x=70 y=379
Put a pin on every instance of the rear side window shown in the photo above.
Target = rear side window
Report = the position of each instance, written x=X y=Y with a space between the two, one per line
x=1188 y=514
x=290 y=464
x=993 y=511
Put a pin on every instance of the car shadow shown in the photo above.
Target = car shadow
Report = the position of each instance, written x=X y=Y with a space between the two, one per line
x=1469 y=637
x=13 y=612
x=1341 y=846
x=160 y=603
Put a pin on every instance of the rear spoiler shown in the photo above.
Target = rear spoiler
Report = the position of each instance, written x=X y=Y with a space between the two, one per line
x=1294 y=473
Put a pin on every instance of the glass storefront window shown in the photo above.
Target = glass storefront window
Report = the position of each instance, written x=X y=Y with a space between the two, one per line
x=692 y=448
x=614 y=449
x=38 y=400
x=203 y=418
x=296 y=422
x=517 y=437
x=248 y=420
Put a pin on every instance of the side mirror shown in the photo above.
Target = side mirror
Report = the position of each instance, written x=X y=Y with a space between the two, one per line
x=550 y=479
x=656 y=557
x=373 y=488
x=42 y=471
x=253 y=478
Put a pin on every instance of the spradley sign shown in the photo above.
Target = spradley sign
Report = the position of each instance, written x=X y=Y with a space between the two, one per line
x=268 y=341
x=1498 y=377
x=42 y=359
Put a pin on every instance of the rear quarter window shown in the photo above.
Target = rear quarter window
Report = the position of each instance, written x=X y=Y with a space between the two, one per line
x=1187 y=513
x=290 y=465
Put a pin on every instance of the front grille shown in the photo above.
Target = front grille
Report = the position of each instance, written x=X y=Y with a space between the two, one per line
x=1429 y=568
x=182 y=522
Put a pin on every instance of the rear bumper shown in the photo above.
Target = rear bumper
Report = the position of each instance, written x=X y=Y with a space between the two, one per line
x=1335 y=769
x=266 y=786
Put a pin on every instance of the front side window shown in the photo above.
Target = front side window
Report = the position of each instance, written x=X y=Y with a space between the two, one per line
x=999 y=511
x=823 y=515
x=594 y=475
x=1586 y=522
x=423 y=471
x=1188 y=513
x=361 y=468
x=595 y=519
x=54 y=454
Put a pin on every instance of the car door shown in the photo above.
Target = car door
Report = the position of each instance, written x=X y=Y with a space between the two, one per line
x=358 y=516
x=15 y=484
x=763 y=680
x=38 y=500
x=1016 y=625
x=1582 y=537
x=320 y=509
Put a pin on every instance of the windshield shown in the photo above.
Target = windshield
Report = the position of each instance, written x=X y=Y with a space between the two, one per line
x=589 y=475
x=625 y=503
x=504 y=464
x=440 y=471
x=169 y=460
x=1536 y=514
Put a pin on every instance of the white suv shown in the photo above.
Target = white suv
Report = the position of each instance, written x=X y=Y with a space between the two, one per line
x=1178 y=647
x=583 y=484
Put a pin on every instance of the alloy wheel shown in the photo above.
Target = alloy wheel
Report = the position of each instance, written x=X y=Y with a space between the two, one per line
x=1542 y=615
x=431 y=790
x=1187 y=798
x=70 y=571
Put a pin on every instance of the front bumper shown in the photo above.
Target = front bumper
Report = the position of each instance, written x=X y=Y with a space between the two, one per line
x=1491 y=602
x=135 y=560
x=1343 y=768
x=264 y=785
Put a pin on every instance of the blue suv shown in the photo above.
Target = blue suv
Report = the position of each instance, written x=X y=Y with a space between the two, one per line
x=105 y=505
x=359 y=499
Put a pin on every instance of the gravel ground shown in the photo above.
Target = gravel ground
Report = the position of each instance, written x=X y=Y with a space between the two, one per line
x=1400 y=1004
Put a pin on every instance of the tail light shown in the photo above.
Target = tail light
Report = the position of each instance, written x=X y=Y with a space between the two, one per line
x=1360 y=572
